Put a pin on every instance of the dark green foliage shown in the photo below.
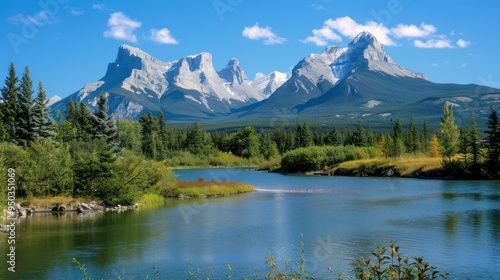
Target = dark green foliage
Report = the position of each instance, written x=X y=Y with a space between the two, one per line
x=245 y=143
x=464 y=145
x=493 y=144
x=333 y=137
x=425 y=138
x=413 y=138
x=25 y=132
x=268 y=148
x=42 y=122
x=319 y=158
x=195 y=140
x=358 y=138
x=104 y=125
x=10 y=105
x=149 y=136
x=303 y=136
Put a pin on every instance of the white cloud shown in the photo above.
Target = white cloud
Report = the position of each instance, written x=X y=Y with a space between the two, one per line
x=121 y=27
x=350 y=28
x=257 y=33
x=259 y=75
x=463 y=65
x=322 y=36
x=318 y=7
x=99 y=7
x=74 y=11
x=162 y=36
x=435 y=64
x=39 y=19
x=463 y=44
x=413 y=31
x=347 y=27
x=433 y=44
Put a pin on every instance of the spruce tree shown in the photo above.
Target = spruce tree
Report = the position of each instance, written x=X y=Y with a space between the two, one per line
x=10 y=106
x=104 y=125
x=149 y=137
x=413 y=139
x=358 y=136
x=26 y=131
x=425 y=137
x=493 y=138
x=475 y=148
x=85 y=127
x=42 y=122
x=164 y=134
x=333 y=137
x=464 y=145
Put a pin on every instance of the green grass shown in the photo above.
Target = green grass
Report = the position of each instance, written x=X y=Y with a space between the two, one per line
x=212 y=188
x=151 y=198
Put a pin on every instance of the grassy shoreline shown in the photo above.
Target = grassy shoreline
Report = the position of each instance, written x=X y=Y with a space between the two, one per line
x=201 y=188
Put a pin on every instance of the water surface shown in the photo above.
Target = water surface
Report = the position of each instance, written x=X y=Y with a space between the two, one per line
x=453 y=224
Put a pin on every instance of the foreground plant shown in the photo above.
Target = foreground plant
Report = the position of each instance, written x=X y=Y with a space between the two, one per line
x=388 y=263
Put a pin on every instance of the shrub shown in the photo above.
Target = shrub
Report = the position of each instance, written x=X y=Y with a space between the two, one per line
x=318 y=158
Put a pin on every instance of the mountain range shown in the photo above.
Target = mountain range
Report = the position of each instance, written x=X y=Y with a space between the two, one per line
x=360 y=82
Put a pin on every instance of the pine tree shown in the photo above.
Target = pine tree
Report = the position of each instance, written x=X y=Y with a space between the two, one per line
x=413 y=139
x=163 y=134
x=475 y=148
x=104 y=125
x=425 y=137
x=449 y=132
x=464 y=145
x=85 y=127
x=333 y=137
x=149 y=138
x=194 y=139
x=26 y=130
x=493 y=138
x=72 y=112
x=42 y=122
x=317 y=137
x=10 y=106
x=279 y=137
x=358 y=136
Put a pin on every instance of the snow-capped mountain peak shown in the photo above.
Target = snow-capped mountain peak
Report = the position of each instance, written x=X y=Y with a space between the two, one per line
x=270 y=82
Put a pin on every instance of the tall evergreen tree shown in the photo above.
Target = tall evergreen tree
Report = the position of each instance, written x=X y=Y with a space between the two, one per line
x=279 y=137
x=333 y=137
x=104 y=125
x=194 y=139
x=25 y=133
x=163 y=134
x=493 y=138
x=464 y=145
x=425 y=137
x=475 y=147
x=449 y=133
x=317 y=137
x=10 y=106
x=413 y=140
x=42 y=122
x=149 y=137
x=358 y=136
x=85 y=126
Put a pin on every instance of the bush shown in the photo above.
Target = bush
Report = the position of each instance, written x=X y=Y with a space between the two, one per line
x=318 y=158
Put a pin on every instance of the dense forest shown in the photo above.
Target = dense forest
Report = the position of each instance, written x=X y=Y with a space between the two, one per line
x=80 y=152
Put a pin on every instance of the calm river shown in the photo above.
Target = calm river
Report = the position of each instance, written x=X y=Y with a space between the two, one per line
x=453 y=224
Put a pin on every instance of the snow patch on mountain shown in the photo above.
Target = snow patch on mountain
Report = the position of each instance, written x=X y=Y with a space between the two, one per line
x=372 y=104
x=53 y=100
x=267 y=84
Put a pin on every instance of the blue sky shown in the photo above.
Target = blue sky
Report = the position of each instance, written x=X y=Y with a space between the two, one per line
x=68 y=44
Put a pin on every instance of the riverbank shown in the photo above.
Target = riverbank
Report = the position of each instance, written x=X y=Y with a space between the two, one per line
x=407 y=167
x=201 y=188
